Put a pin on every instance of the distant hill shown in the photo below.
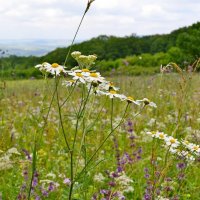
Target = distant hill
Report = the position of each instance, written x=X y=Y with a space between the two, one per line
x=111 y=47
x=180 y=46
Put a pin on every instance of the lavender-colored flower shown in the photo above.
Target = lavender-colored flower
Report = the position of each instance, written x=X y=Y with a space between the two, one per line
x=51 y=187
x=23 y=187
x=25 y=174
x=113 y=175
x=94 y=197
x=104 y=191
x=181 y=176
x=112 y=183
x=117 y=154
x=130 y=123
x=139 y=150
x=131 y=137
x=168 y=179
x=37 y=198
x=181 y=166
x=168 y=188
x=35 y=182
x=146 y=170
x=157 y=173
x=45 y=193
x=67 y=181
x=158 y=191
x=27 y=154
x=147 y=176
x=138 y=157
x=147 y=197
x=21 y=197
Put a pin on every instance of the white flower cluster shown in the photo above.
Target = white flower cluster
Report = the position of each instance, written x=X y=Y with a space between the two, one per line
x=99 y=178
x=92 y=79
x=5 y=161
x=161 y=198
x=124 y=183
x=54 y=69
x=181 y=148
x=194 y=148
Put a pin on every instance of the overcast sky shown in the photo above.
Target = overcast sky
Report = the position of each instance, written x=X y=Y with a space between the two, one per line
x=58 y=19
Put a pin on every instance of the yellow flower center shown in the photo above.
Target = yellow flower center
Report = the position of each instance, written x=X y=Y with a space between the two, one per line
x=113 y=92
x=111 y=84
x=195 y=148
x=79 y=75
x=161 y=136
x=130 y=98
x=71 y=81
x=95 y=75
x=55 y=65
x=172 y=141
x=85 y=70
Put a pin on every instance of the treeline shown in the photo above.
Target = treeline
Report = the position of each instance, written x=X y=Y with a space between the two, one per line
x=181 y=46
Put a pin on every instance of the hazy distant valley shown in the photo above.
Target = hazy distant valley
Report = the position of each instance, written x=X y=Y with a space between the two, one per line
x=30 y=47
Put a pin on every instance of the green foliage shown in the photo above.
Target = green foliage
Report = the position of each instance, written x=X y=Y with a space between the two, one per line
x=21 y=118
x=181 y=46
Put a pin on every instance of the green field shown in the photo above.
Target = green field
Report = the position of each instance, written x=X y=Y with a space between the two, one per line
x=146 y=165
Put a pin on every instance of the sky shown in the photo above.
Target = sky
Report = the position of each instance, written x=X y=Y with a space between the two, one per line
x=58 y=19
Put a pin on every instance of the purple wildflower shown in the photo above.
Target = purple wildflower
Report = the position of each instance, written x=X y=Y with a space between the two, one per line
x=67 y=181
x=45 y=193
x=51 y=187
x=28 y=156
x=181 y=166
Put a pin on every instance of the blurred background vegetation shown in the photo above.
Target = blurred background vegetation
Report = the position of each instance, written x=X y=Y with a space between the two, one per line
x=130 y=55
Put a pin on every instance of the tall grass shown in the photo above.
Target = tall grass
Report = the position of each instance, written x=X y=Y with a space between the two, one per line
x=21 y=117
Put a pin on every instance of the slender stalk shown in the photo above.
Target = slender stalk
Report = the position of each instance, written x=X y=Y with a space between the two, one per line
x=60 y=115
x=72 y=151
x=84 y=133
x=111 y=115
x=153 y=168
x=33 y=168
x=83 y=16
x=79 y=116
x=100 y=146
x=66 y=142
x=85 y=102
x=48 y=112
x=35 y=146
x=70 y=93
x=162 y=174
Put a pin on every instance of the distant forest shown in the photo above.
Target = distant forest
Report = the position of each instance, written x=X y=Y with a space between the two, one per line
x=133 y=52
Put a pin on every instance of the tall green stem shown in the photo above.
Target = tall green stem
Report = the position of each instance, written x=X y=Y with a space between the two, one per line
x=79 y=116
x=100 y=146
x=60 y=115
x=83 y=16
x=34 y=161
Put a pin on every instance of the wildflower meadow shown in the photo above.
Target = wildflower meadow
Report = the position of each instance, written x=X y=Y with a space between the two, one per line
x=79 y=135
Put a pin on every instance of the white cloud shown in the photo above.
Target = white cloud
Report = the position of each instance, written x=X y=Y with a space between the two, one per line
x=59 y=18
x=152 y=10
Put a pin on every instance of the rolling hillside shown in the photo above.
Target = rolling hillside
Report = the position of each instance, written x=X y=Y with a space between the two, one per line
x=180 y=46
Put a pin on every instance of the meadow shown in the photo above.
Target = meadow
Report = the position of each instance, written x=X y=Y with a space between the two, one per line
x=74 y=142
